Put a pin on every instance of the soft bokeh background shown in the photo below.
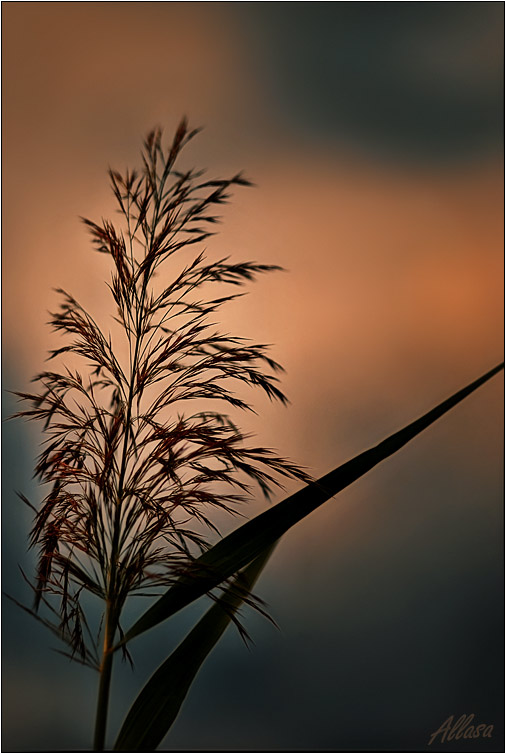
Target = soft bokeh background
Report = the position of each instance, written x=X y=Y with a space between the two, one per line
x=374 y=134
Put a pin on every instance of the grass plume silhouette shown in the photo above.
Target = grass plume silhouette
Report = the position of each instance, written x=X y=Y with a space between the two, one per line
x=132 y=468
x=136 y=468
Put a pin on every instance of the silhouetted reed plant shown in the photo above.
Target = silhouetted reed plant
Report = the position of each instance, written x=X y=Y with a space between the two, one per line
x=135 y=467
x=131 y=472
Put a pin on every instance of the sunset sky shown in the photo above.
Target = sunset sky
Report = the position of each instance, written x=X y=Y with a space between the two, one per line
x=373 y=134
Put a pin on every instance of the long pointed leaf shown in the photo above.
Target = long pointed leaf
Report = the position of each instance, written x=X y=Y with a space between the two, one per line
x=244 y=544
x=159 y=702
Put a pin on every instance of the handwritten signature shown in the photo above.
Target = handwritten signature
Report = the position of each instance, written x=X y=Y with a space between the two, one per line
x=464 y=727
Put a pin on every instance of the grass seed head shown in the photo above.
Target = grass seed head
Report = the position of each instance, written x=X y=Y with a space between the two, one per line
x=136 y=468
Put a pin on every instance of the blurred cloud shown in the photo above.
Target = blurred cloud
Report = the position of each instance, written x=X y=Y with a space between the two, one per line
x=413 y=81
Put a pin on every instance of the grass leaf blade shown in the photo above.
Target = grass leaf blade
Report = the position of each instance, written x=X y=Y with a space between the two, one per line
x=244 y=544
x=159 y=702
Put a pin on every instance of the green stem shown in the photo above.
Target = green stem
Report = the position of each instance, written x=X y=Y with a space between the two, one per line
x=105 y=680
x=113 y=609
x=111 y=615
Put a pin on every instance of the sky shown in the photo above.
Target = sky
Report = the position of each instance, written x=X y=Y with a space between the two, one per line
x=374 y=135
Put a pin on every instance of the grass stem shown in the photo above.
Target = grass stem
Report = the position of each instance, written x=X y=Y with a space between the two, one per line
x=105 y=681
